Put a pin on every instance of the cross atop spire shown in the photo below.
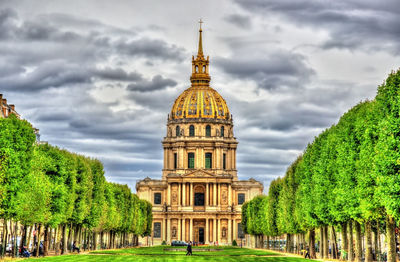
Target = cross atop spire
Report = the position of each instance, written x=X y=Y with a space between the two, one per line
x=200 y=22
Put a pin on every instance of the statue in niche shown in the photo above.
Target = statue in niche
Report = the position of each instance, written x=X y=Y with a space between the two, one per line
x=174 y=232
x=224 y=196
x=182 y=132
x=217 y=132
x=224 y=232
x=174 y=197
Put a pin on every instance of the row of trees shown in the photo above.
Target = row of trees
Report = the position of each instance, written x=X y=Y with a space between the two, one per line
x=62 y=196
x=347 y=179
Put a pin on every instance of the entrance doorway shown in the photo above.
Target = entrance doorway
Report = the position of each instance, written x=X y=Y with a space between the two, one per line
x=201 y=235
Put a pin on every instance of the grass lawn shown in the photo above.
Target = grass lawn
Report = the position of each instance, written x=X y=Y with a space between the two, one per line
x=157 y=253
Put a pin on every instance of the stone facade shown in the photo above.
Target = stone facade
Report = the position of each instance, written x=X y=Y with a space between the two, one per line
x=199 y=197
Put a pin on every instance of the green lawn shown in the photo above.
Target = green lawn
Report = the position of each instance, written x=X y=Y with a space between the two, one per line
x=157 y=253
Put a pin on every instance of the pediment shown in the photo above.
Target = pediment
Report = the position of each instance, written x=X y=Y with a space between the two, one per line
x=199 y=173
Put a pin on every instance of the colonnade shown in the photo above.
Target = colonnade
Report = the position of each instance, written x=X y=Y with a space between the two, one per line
x=213 y=230
x=212 y=194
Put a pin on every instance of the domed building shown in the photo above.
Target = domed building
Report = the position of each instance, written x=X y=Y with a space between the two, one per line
x=199 y=197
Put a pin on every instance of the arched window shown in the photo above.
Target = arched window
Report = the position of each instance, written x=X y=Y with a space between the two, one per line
x=191 y=130
x=178 y=131
x=197 y=69
x=204 y=69
x=208 y=160
x=208 y=130
x=222 y=131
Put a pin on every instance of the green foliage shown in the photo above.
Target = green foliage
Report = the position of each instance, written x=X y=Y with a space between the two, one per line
x=351 y=171
x=234 y=243
x=51 y=186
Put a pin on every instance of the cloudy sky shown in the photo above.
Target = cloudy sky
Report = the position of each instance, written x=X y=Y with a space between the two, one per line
x=99 y=77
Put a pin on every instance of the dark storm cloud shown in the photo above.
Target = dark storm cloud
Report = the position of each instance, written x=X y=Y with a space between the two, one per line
x=371 y=25
x=156 y=83
x=273 y=71
x=241 y=21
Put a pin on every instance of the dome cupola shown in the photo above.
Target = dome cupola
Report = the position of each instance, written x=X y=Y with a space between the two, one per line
x=200 y=101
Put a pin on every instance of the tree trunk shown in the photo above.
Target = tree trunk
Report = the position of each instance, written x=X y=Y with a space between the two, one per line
x=287 y=248
x=267 y=241
x=15 y=246
x=376 y=240
x=312 y=244
x=357 y=228
x=95 y=240
x=3 y=238
x=391 y=241
x=345 y=242
x=38 y=240
x=46 y=241
x=64 y=239
x=28 y=241
x=334 y=242
x=23 y=238
x=368 y=248
x=326 y=245
x=101 y=239
x=321 y=242
x=351 y=246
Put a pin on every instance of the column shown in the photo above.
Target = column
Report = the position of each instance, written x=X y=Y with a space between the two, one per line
x=229 y=231
x=164 y=230
x=215 y=194
x=183 y=229
x=191 y=230
x=234 y=227
x=184 y=195
x=169 y=194
x=207 y=196
x=207 y=232
x=179 y=229
x=180 y=158
x=191 y=194
x=179 y=194
x=214 y=230
x=230 y=194
x=169 y=231
x=219 y=231
x=197 y=159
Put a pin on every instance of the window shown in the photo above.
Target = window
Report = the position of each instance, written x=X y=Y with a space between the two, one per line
x=199 y=199
x=157 y=229
x=204 y=69
x=197 y=69
x=191 y=130
x=208 y=160
x=191 y=160
x=178 y=131
x=157 y=198
x=222 y=131
x=175 y=160
x=208 y=130
x=241 y=198
x=224 y=161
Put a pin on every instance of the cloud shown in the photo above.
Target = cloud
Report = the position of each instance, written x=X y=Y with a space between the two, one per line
x=352 y=25
x=156 y=83
x=240 y=21
x=271 y=71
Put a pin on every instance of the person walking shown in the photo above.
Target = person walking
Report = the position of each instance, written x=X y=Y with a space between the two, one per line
x=75 y=247
x=307 y=253
x=189 y=249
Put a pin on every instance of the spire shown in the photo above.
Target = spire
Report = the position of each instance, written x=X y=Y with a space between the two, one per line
x=200 y=51
x=200 y=76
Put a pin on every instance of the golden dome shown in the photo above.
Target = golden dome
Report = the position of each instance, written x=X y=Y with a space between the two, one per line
x=200 y=100
x=197 y=102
